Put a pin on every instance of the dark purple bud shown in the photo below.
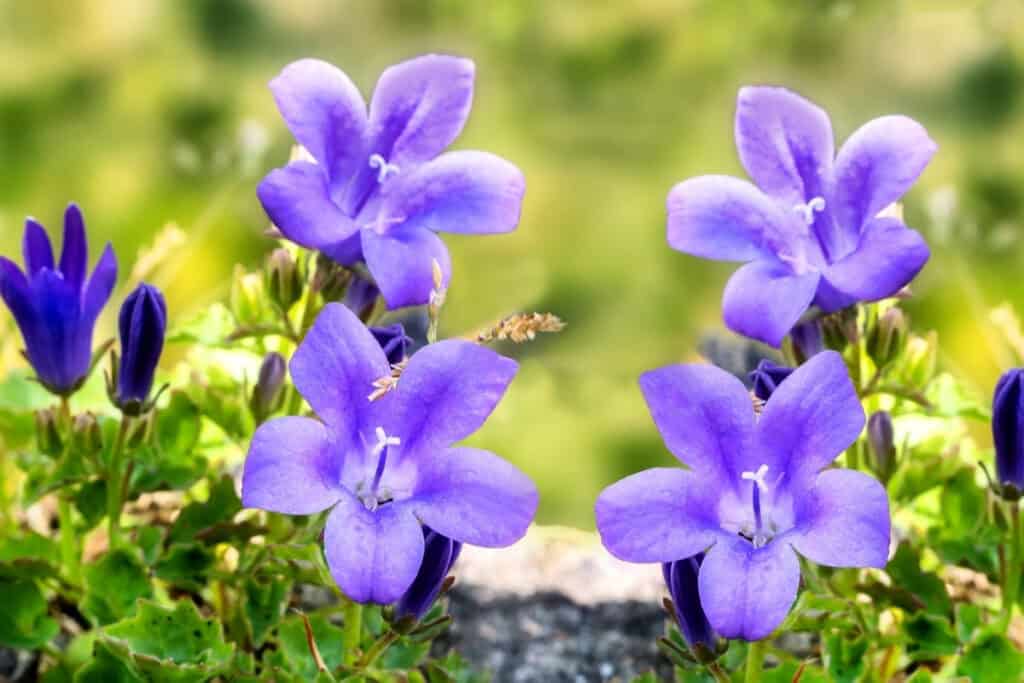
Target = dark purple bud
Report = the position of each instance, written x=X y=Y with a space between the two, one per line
x=142 y=324
x=439 y=554
x=361 y=296
x=1008 y=430
x=267 y=394
x=394 y=341
x=767 y=377
x=681 y=579
x=808 y=340
x=55 y=304
x=882 y=443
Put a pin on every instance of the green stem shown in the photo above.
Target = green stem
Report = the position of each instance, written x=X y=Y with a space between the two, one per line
x=6 y=518
x=755 y=661
x=114 y=500
x=353 y=631
x=377 y=649
x=68 y=543
x=1014 y=560
x=716 y=671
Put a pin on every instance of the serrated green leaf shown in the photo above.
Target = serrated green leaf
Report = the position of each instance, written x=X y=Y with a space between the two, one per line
x=113 y=584
x=992 y=658
x=185 y=565
x=221 y=505
x=929 y=636
x=23 y=619
x=404 y=655
x=265 y=604
x=91 y=501
x=962 y=503
x=28 y=556
x=291 y=638
x=926 y=590
x=110 y=664
x=148 y=540
x=968 y=620
x=844 y=657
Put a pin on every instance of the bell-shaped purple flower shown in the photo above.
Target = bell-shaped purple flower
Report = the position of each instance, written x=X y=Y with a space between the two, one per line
x=809 y=230
x=380 y=185
x=1008 y=430
x=56 y=304
x=393 y=340
x=767 y=377
x=142 y=325
x=439 y=554
x=681 y=579
x=757 y=490
x=386 y=468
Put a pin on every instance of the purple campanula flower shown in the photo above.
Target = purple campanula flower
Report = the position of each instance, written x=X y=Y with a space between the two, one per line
x=756 y=492
x=439 y=554
x=56 y=304
x=142 y=324
x=681 y=579
x=393 y=340
x=379 y=186
x=767 y=377
x=809 y=229
x=1008 y=431
x=386 y=467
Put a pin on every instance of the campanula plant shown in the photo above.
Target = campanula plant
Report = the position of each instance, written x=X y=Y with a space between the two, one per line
x=55 y=304
x=808 y=228
x=142 y=325
x=379 y=184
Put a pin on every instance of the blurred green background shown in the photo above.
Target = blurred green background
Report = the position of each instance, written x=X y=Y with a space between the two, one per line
x=150 y=112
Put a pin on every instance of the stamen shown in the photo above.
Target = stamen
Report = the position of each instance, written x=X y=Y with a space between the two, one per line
x=381 y=449
x=760 y=538
x=757 y=477
x=379 y=162
x=807 y=210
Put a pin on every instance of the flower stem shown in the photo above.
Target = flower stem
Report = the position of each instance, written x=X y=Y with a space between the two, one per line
x=377 y=649
x=718 y=673
x=755 y=661
x=353 y=631
x=1014 y=560
x=114 y=500
x=68 y=546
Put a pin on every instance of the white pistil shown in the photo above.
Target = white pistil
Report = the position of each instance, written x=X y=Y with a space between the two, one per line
x=757 y=477
x=384 y=169
x=384 y=441
x=807 y=210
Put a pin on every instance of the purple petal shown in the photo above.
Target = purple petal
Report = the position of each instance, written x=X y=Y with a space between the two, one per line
x=297 y=200
x=74 y=256
x=446 y=392
x=785 y=143
x=747 y=592
x=844 y=521
x=418 y=108
x=887 y=258
x=466 y=191
x=326 y=113
x=704 y=415
x=474 y=496
x=60 y=349
x=334 y=369
x=658 y=515
x=876 y=166
x=763 y=300
x=723 y=218
x=291 y=468
x=401 y=261
x=1008 y=427
x=100 y=286
x=14 y=289
x=439 y=555
x=810 y=419
x=36 y=248
x=373 y=556
x=681 y=578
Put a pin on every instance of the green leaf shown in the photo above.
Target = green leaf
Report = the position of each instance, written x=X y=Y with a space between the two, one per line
x=265 y=604
x=930 y=637
x=172 y=644
x=648 y=677
x=212 y=327
x=185 y=565
x=221 y=505
x=23 y=619
x=962 y=502
x=404 y=655
x=91 y=501
x=110 y=663
x=950 y=398
x=924 y=590
x=844 y=657
x=170 y=461
x=113 y=584
x=28 y=556
x=992 y=658
x=295 y=649
x=148 y=539
x=968 y=621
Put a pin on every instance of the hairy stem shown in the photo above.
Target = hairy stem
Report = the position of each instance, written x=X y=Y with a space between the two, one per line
x=353 y=631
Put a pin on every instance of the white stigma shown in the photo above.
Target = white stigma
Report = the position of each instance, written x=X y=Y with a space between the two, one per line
x=807 y=210
x=383 y=441
x=385 y=169
x=757 y=477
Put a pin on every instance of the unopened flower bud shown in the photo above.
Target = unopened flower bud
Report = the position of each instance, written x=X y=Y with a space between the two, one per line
x=331 y=279
x=1008 y=433
x=767 y=377
x=283 y=282
x=86 y=437
x=393 y=340
x=142 y=325
x=361 y=296
x=681 y=579
x=919 y=359
x=886 y=336
x=247 y=296
x=807 y=340
x=268 y=393
x=439 y=554
x=881 y=439
x=48 y=433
